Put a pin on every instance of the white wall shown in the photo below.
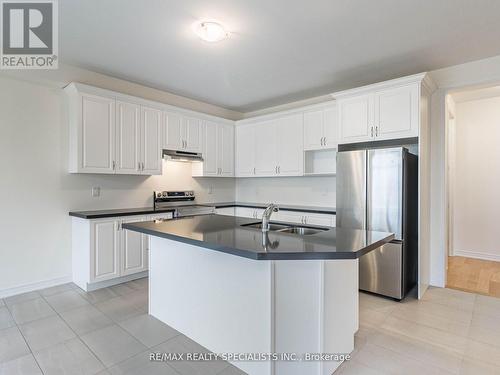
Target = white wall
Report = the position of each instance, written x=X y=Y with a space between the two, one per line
x=37 y=192
x=313 y=191
x=477 y=179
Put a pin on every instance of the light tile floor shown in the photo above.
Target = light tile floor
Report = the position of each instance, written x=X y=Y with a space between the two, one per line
x=447 y=332
x=63 y=330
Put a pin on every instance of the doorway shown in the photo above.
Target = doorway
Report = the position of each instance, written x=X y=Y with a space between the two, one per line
x=472 y=199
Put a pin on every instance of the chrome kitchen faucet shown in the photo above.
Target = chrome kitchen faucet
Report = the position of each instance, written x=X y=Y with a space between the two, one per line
x=266 y=216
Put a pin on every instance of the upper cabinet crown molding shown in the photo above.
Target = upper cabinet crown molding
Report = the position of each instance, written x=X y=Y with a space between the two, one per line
x=77 y=86
x=420 y=78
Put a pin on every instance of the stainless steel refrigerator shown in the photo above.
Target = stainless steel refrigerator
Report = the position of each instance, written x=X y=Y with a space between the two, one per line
x=377 y=189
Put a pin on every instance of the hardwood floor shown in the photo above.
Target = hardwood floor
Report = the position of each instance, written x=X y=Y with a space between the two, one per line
x=474 y=275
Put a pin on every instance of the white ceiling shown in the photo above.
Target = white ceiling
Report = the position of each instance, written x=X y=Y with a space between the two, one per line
x=280 y=50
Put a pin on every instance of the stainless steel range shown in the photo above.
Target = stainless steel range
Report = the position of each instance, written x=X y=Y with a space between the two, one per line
x=184 y=203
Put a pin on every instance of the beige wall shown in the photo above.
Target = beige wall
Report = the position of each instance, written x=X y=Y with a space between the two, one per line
x=476 y=203
x=37 y=192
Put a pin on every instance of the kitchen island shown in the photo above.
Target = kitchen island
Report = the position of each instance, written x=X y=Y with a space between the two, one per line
x=234 y=289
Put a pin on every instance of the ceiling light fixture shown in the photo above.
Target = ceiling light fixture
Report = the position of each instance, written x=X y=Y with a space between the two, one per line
x=211 y=31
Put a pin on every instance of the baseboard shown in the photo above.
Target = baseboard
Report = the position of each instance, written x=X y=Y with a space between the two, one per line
x=476 y=255
x=33 y=286
x=119 y=280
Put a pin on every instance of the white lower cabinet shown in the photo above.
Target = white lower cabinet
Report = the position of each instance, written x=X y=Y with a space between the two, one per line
x=254 y=213
x=296 y=217
x=134 y=246
x=105 y=248
x=288 y=216
x=326 y=220
x=106 y=254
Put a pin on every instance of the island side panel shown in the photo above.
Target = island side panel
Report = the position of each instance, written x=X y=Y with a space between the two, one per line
x=340 y=308
x=221 y=301
x=297 y=313
x=315 y=311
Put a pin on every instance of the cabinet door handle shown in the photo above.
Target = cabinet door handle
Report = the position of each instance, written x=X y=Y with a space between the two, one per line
x=253 y=170
x=305 y=219
x=139 y=166
x=114 y=165
x=279 y=169
x=321 y=141
x=376 y=131
x=324 y=141
x=372 y=131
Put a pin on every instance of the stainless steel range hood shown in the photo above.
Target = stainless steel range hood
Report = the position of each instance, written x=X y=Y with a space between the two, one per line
x=185 y=156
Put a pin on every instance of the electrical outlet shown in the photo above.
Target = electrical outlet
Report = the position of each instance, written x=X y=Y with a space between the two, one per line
x=96 y=191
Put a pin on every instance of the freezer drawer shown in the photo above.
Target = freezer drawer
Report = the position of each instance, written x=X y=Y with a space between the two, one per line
x=381 y=271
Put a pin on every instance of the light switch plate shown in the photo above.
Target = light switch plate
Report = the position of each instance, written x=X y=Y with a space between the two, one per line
x=96 y=191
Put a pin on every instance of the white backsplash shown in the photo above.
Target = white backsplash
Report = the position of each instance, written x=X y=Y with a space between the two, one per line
x=137 y=191
x=312 y=191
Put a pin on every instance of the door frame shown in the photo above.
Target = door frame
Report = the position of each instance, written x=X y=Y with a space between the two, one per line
x=450 y=134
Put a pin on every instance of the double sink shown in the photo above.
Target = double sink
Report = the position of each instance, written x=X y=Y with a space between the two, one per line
x=290 y=229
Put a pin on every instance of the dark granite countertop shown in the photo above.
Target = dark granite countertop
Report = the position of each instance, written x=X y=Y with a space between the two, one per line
x=98 y=214
x=226 y=234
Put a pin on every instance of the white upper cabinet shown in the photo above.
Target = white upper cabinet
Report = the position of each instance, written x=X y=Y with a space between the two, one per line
x=210 y=159
x=112 y=134
x=217 y=151
x=313 y=130
x=151 y=125
x=320 y=128
x=128 y=138
x=290 y=159
x=383 y=111
x=181 y=132
x=93 y=134
x=225 y=150
x=397 y=112
x=266 y=144
x=245 y=150
x=172 y=129
x=330 y=128
x=356 y=119
x=191 y=132
x=271 y=147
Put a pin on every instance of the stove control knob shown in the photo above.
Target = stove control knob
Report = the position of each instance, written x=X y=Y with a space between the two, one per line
x=164 y=194
x=158 y=195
